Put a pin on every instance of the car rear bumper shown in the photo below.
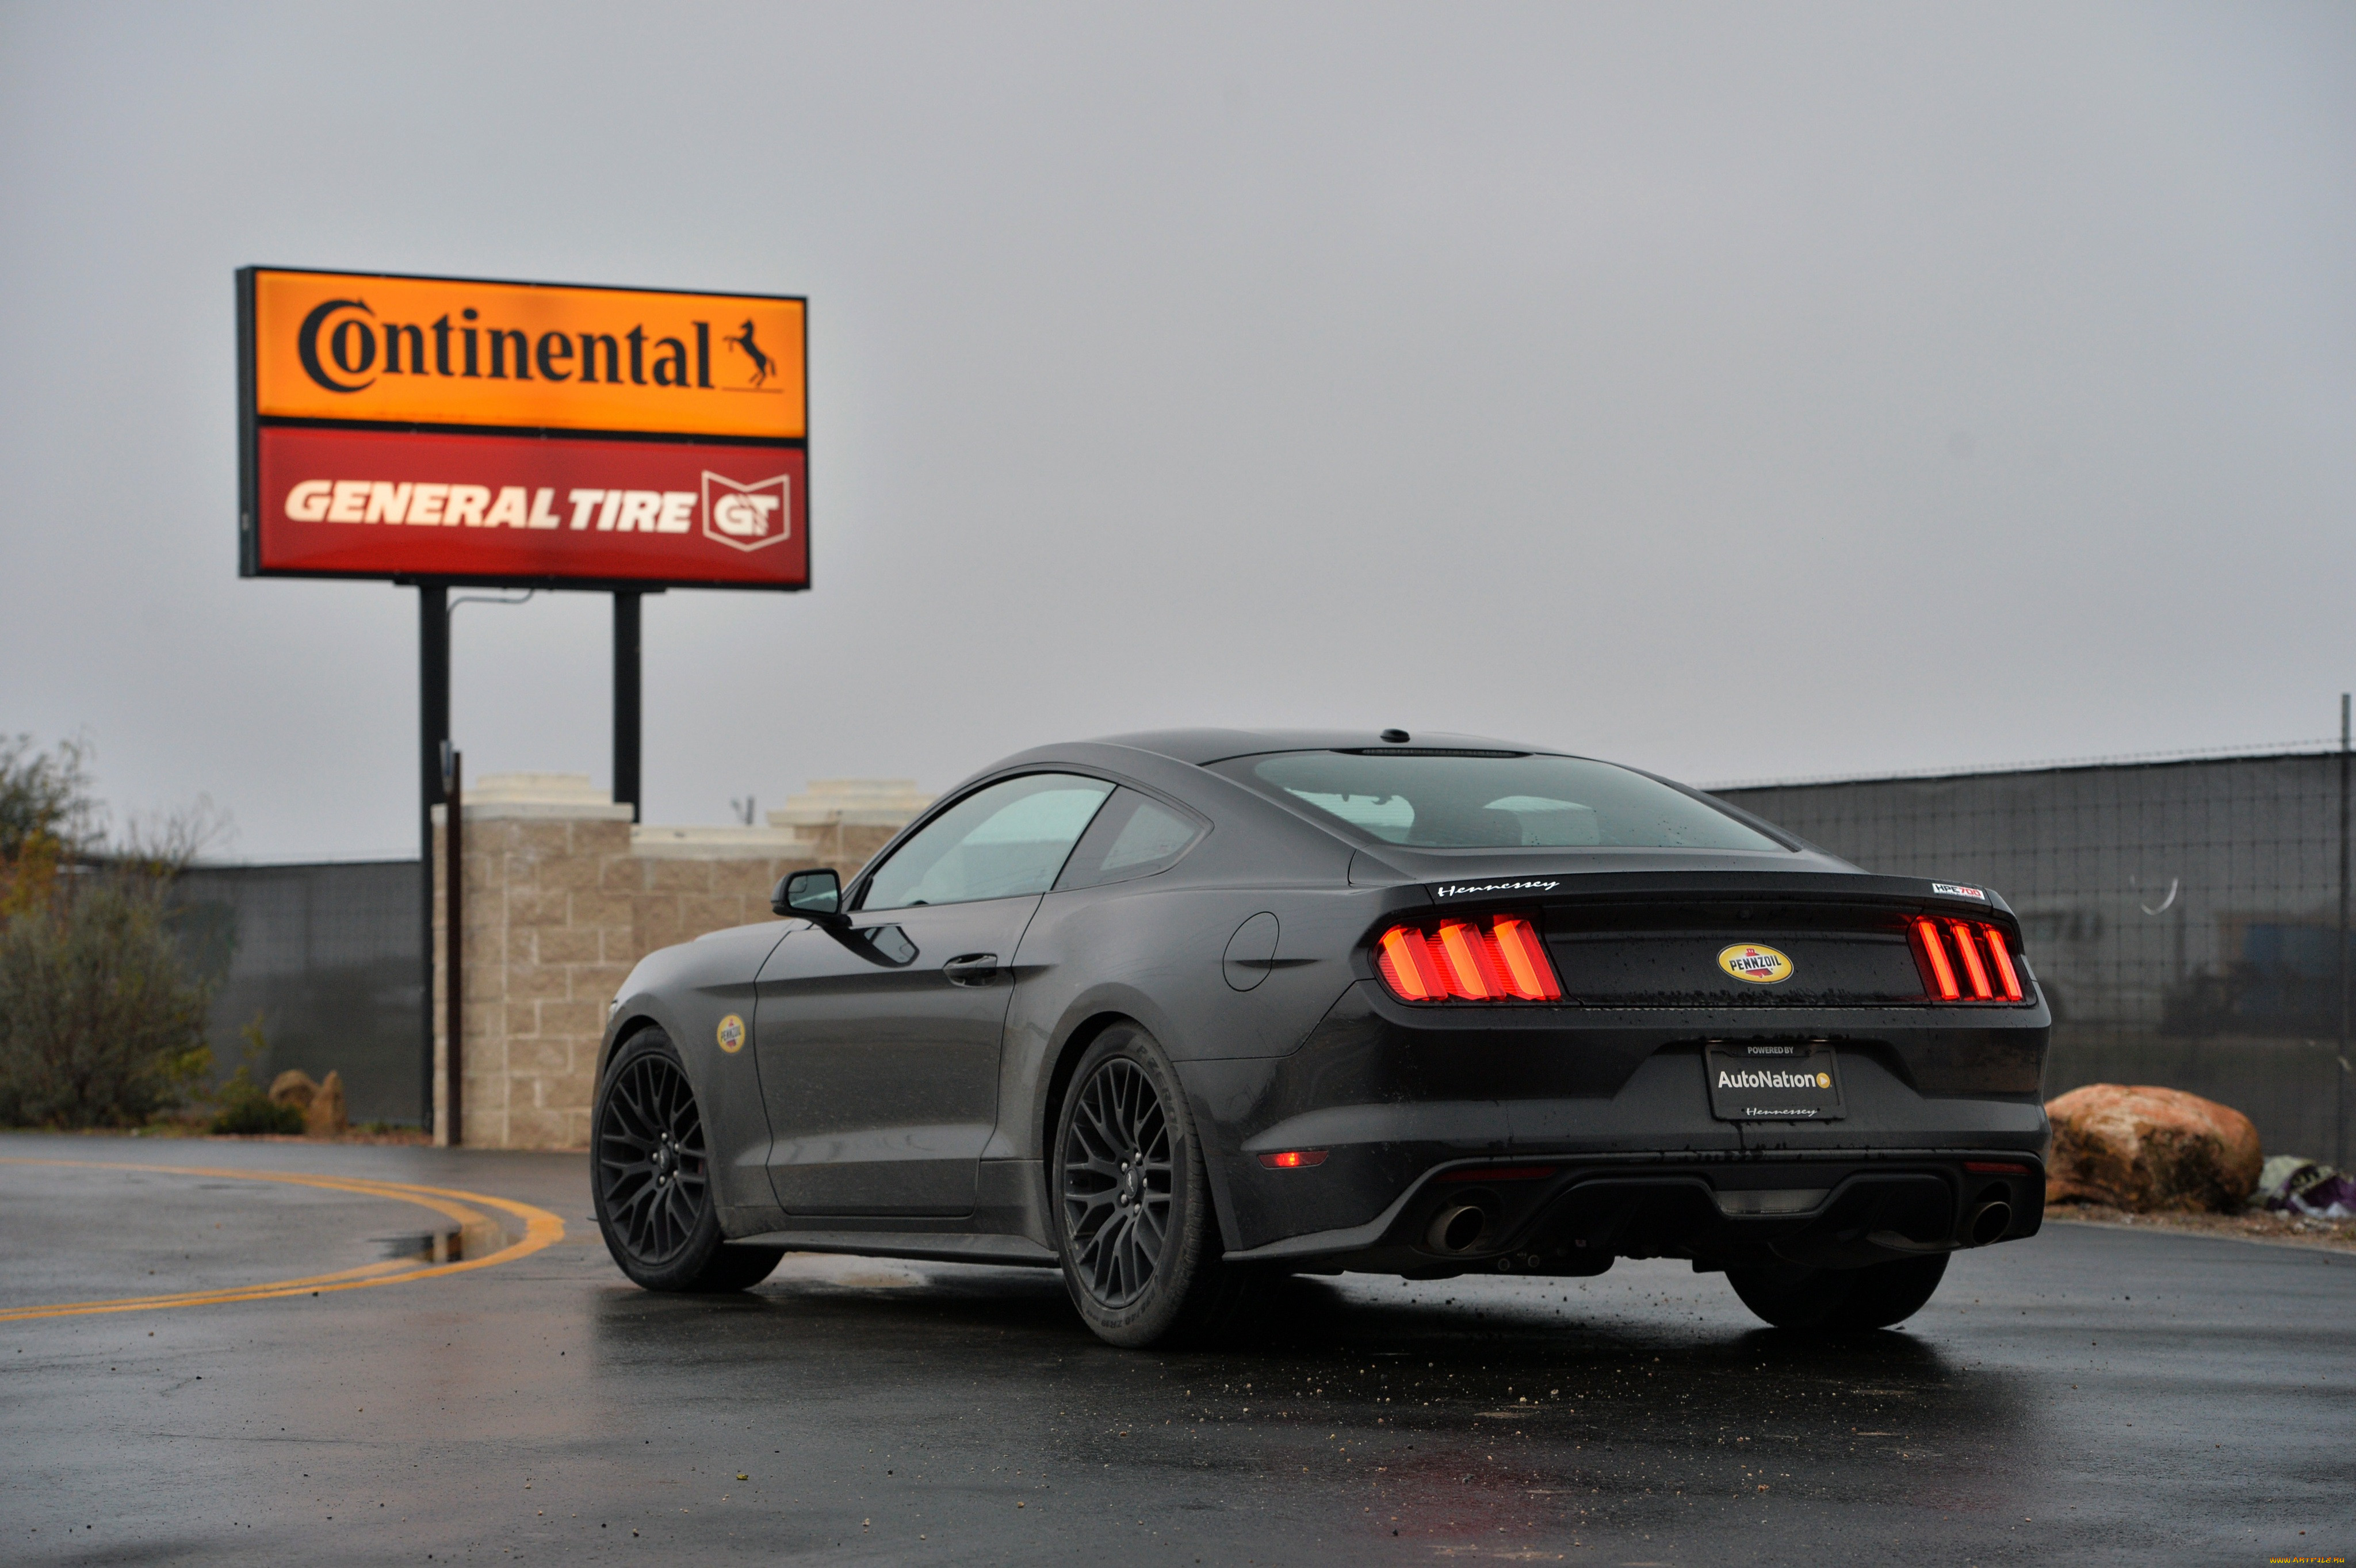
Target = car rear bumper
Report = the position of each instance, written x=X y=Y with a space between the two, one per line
x=1573 y=1216
x=1941 y=1120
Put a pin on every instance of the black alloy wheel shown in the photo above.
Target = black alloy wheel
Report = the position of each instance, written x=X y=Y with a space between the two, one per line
x=1140 y=1245
x=1117 y=1182
x=653 y=1179
x=651 y=1161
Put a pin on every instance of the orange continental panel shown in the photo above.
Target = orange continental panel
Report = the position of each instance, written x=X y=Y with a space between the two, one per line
x=535 y=356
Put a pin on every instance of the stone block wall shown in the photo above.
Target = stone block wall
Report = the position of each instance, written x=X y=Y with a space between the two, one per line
x=560 y=897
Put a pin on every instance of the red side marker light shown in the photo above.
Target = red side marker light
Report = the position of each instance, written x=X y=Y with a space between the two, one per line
x=1990 y=1167
x=1293 y=1159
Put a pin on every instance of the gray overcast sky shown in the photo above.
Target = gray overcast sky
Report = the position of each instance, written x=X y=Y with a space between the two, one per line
x=1738 y=391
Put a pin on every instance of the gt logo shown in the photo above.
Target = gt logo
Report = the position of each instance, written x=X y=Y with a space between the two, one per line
x=744 y=516
x=747 y=516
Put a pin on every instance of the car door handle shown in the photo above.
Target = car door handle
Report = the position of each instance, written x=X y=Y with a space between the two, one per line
x=971 y=969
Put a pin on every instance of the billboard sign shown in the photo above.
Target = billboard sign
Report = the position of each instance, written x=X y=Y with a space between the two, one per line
x=520 y=434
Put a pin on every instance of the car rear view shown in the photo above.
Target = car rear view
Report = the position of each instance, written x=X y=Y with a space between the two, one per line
x=1598 y=1016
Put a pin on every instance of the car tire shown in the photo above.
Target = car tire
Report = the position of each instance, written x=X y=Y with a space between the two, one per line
x=1134 y=1226
x=650 y=1177
x=1799 y=1296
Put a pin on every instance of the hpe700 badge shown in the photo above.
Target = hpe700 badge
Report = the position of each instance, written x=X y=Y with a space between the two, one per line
x=1773 y=1082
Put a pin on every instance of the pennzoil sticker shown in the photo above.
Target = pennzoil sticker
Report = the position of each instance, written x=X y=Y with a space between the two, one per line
x=731 y=1034
x=1953 y=891
x=1758 y=965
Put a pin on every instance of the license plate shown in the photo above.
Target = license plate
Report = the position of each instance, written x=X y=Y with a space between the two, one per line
x=1773 y=1083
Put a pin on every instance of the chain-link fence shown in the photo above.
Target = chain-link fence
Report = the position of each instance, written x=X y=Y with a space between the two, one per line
x=326 y=956
x=2184 y=917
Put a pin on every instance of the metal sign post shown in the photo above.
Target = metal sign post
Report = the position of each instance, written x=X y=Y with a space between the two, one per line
x=627 y=673
x=433 y=724
x=2339 y=1059
x=454 y=883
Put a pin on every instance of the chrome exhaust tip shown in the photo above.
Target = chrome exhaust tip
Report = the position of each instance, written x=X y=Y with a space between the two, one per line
x=1457 y=1228
x=1989 y=1222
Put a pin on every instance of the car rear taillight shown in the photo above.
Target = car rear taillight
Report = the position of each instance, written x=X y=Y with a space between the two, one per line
x=1494 y=958
x=1964 y=961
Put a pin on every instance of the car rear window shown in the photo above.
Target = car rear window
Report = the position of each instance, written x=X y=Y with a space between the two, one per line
x=1494 y=800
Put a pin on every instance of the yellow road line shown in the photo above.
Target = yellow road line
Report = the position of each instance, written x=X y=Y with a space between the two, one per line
x=541 y=1229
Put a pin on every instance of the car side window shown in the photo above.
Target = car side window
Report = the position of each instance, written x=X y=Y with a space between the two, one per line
x=1135 y=835
x=1004 y=839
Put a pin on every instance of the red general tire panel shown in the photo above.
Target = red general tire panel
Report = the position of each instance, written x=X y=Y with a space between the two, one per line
x=524 y=508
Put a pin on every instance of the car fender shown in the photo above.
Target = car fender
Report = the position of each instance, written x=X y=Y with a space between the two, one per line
x=689 y=990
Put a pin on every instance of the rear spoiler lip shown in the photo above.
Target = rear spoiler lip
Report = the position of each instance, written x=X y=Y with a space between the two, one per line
x=1551 y=887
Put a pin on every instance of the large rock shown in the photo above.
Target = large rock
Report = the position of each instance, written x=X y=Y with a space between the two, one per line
x=2144 y=1148
x=325 y=1117
x=294 y=1087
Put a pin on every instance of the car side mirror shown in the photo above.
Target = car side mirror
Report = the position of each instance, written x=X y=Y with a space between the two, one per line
x=813 y=894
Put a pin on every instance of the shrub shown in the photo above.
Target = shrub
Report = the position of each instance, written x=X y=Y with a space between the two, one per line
x=100 y=1022
x=258 y=1114
x=47 y=818
x=245 y=1106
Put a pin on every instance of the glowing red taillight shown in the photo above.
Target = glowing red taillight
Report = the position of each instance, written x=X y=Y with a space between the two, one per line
x=2007 y=977
x=1958 y=957
x=1498 y=958
x=1942 y=978
x=1464 y=952
x=1529 y=973
x=1407 y=967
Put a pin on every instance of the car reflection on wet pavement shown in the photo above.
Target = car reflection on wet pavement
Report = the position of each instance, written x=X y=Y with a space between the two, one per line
x=2094 y=1393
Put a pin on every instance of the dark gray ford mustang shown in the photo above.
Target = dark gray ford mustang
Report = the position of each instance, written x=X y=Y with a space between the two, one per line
x=1180 y=1013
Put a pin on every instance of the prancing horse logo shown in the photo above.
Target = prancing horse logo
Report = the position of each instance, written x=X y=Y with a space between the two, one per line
x=762 y=363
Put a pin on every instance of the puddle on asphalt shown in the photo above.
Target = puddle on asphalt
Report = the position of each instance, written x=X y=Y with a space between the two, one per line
x=454 y=1245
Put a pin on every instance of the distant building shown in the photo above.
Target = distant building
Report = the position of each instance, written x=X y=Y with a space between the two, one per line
x=850 y=819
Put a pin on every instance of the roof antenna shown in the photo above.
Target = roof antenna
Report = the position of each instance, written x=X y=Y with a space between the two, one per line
x=1396 y=736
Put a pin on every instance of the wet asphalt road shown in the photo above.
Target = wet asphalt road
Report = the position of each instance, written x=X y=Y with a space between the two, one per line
x=2089 y=1396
